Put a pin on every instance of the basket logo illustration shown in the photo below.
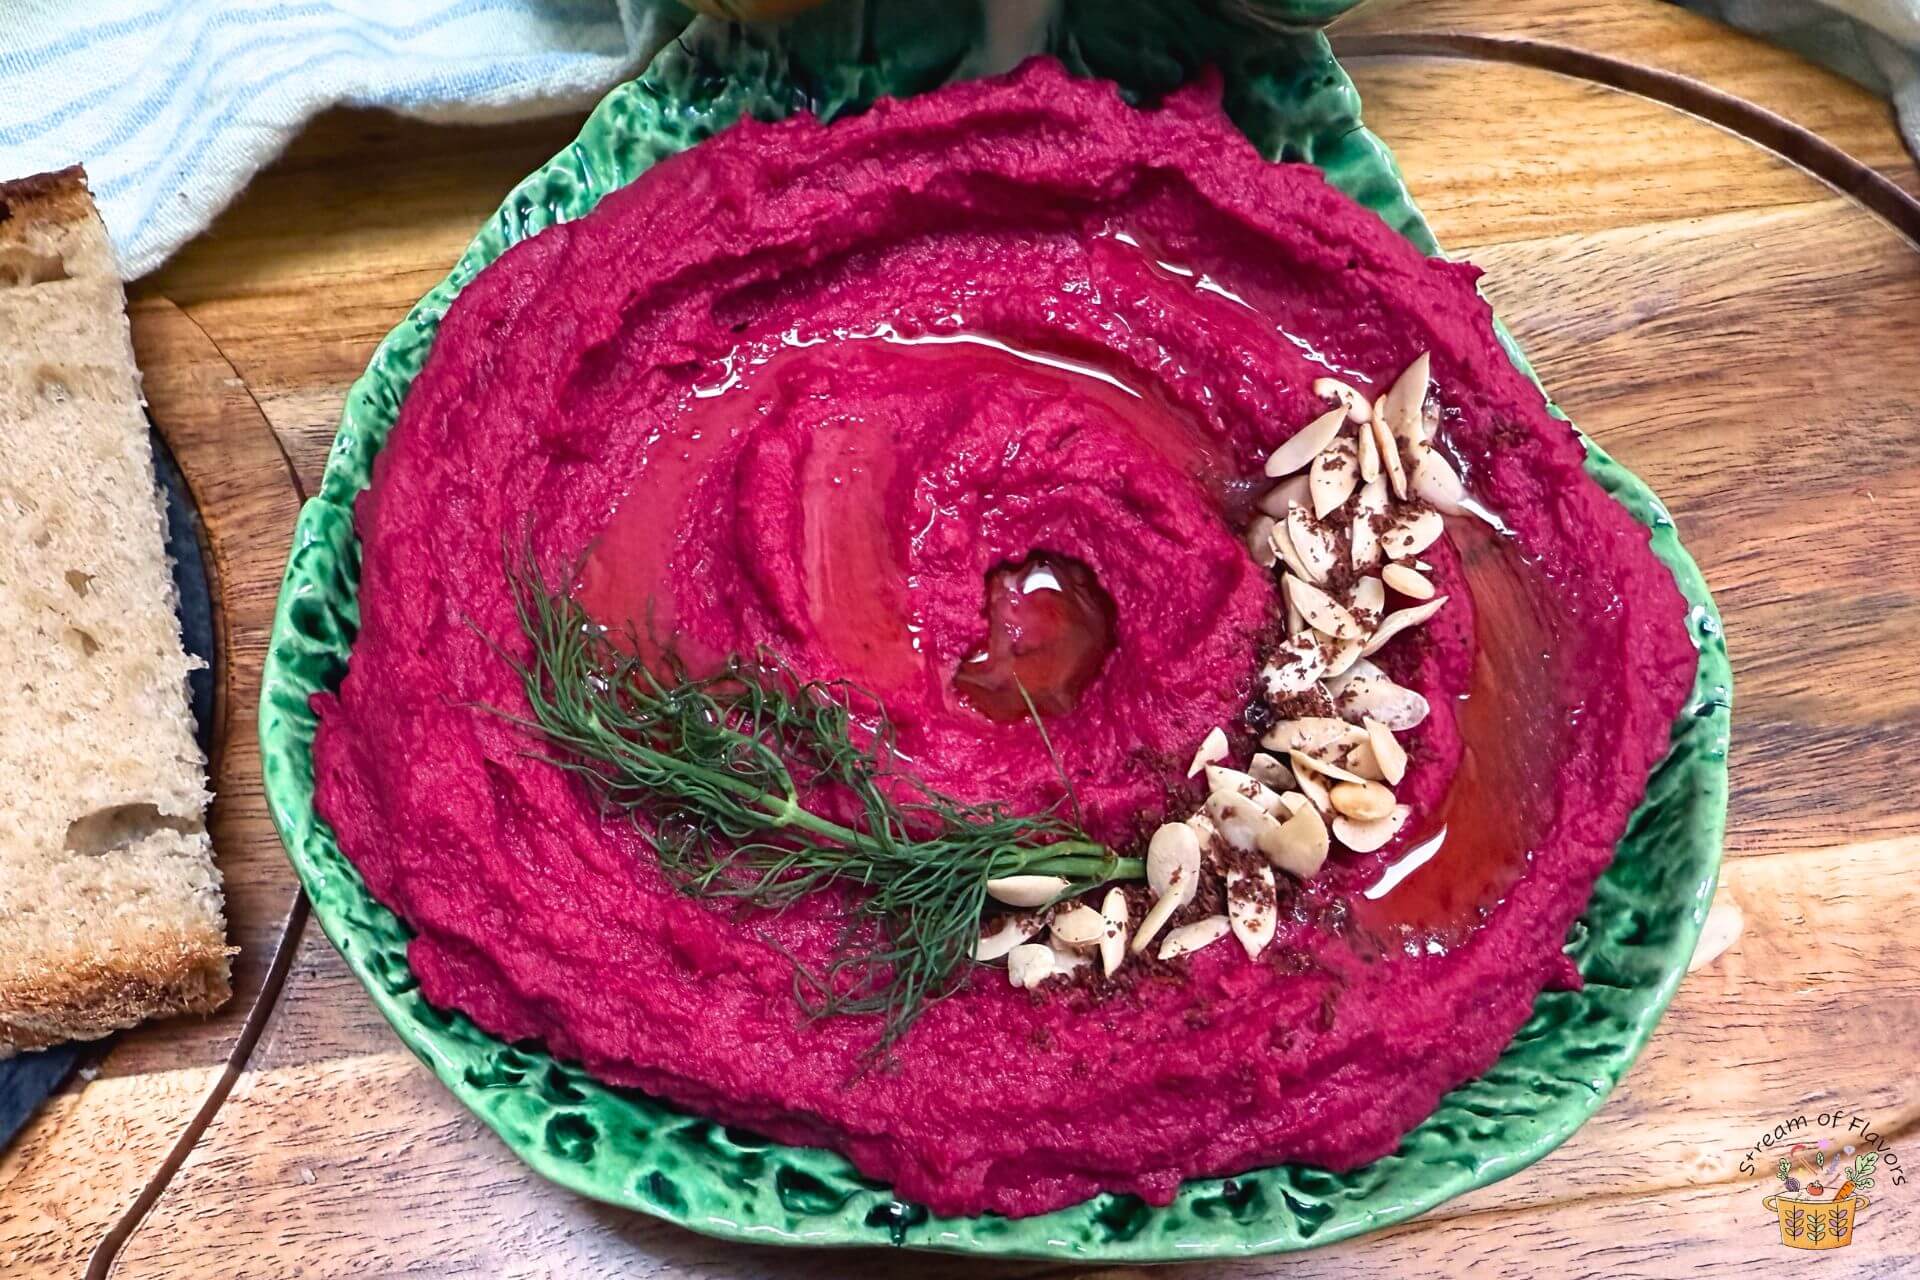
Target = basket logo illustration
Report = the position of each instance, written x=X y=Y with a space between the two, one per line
x=1822 y=1193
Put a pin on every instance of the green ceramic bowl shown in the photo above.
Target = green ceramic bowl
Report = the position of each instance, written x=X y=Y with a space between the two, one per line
x=1287 y=93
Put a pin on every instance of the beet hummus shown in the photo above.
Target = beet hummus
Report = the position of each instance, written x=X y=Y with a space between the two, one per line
x=966 y=395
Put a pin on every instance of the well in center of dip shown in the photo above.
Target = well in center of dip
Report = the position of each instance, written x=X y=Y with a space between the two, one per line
x=1050 y=626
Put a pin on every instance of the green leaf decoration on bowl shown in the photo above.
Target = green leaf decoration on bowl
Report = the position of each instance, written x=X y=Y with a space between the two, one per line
x=1286 y=92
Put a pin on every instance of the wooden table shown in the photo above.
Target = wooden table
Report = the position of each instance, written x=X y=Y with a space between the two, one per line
x=1708 y=247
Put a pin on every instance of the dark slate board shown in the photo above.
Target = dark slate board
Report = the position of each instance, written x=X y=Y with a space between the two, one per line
x=31 y=1078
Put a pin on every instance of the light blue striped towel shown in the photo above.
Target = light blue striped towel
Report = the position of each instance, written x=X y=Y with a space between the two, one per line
x=173 y=104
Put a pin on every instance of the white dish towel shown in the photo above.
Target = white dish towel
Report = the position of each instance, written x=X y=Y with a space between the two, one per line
x=174 y=104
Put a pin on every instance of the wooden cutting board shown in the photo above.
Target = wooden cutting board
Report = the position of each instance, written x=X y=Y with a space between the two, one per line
x=1712 y=252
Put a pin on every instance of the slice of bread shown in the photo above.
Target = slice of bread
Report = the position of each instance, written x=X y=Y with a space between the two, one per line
x=110 y=905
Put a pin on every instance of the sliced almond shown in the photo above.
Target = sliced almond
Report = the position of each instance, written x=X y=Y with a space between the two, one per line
x=1399 y=620
x=1240 y=820
x=1008 y=932
x=1246 y=784
x=1358 y=410
x=1293 y=491
x=1296 y=623
x=1189 y=938
x=1333 y=477
x=1365 y=837
x=1386 y=749
x=1173 y=862
x=1436 y=483
x=1326 y=768
x=1029 y=965
x=1079 y=927
x=1370 y=595
x=1360 y=760
x=1391 y=466
x=1212 y=747
x=1066 y=960
x=1253 y=908
x=1271 y=770
x=1408 y=581
x=1320 y=735
x=1312 y=786
x=1260 y=541
x=1342 y=657
x=1113 y=946
x=1375 y=696
x=1299 y=846
x=1411 y=534
x=1026 y=891
x=1369 y=454
x=1322 y=612
x=1312 y=543
x=1401 y=408
x=1362 y=801
x=1305 y=444
x=1285 y=550
x=1366 y=539
x=1151 y=924
x=1203 y=830
x=1296 y=667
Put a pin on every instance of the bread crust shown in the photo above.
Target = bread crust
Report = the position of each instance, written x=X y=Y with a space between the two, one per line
x=162 y=977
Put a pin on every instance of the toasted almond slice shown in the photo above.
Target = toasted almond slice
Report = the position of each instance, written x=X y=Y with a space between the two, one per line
x=1079 y=927
x=1319 y=735
x=1360 y=760
x=1366 y=539
x=1293 y=491
x=1297 y=665
x=1300 y=846
x=1285 y=550
x=1344 y=655
x=1365 y=837
x=1260 y=540
x=1113 y=946
x=1386 y=749
x=1358 y=410
x=1240 y=820
x=1411 y=534
x=1293 y=802
x=1408 y=581
x=1374 y=695
x=1362 y=801
x=1311 y=784
x=1322 y=612
x=1029 y=964
x=1296 y=623
x=1173 y=862
x=1325 y=767
x=1391 y=466
x=1401 y=408
x=1151 y=924
x=1066 y=960
x=1305 y=444
x=1271 y=770
x=1245 y=783
x=1212 y=747
x=1313 y=543
x=1203 y=830
x=1189 y=938
x=1368 y=450
x=1009 y=931
x=1026 y=891
x=1370 y=594
x=1252 y=908
x=1333 y=477
x=1436 y=483
x=1399 y=620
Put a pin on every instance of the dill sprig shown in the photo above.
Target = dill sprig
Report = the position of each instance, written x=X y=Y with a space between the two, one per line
x=714 y=770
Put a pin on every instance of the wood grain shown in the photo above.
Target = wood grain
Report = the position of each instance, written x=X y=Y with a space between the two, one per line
x=1735 y=329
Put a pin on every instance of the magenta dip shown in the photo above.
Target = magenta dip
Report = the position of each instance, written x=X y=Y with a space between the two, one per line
x=811 y=387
